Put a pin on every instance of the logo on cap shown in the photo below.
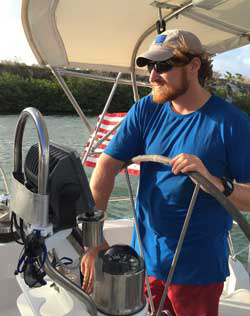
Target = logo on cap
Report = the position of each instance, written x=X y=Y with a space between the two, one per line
x=160 y=39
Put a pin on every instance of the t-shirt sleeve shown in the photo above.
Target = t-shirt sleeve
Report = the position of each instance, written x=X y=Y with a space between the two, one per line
x=238 y=145
x=127 y=142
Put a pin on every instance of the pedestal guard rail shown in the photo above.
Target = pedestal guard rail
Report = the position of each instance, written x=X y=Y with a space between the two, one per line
x=31 y=207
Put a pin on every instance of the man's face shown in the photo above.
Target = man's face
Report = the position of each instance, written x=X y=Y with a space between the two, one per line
x=169 y=85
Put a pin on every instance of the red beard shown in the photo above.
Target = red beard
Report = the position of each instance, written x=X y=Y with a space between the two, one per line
x=163 y=92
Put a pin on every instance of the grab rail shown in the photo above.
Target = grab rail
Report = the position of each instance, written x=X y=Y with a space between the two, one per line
x=71 y=287
x=43 y=166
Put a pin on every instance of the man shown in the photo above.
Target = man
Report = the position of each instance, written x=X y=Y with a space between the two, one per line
x=199 y=132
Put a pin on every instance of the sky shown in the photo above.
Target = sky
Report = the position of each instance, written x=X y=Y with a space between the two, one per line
x=14 y=46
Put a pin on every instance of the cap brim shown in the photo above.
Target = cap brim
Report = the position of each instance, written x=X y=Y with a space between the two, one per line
x=154 y=55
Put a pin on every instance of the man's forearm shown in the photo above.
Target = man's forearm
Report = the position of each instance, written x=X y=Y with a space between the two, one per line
x=240 y=196
x=103 y=179
x=101 y=185
x=101 y=189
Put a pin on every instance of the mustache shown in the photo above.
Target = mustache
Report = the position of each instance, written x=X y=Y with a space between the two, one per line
x=158 y=83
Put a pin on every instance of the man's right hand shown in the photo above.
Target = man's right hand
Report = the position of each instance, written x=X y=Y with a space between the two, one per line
x=88 y=267
x=101 y=185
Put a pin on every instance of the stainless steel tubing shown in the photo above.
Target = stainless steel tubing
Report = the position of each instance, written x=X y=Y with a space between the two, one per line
x=71 y=287
x=130 y=191
x=4 y=180
x=106 y=107
x=211 y=189
x=178 y=248
x=99 y=142
x=71 y=98
x=43 y=166
x=77 y=74
x=4 y=206
x=248 y=261
x=231 y=247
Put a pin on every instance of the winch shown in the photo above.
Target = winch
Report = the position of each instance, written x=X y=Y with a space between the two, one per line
x=119 y=281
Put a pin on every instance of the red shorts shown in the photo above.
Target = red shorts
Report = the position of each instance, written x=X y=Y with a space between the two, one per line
x=187 y=300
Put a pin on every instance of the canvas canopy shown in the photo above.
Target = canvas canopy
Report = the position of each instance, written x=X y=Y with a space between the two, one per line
x=108 y=34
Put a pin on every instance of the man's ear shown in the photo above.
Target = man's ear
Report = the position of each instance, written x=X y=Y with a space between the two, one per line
x=195 y=64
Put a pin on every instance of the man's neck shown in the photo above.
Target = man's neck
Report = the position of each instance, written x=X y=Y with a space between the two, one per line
x=191 y=101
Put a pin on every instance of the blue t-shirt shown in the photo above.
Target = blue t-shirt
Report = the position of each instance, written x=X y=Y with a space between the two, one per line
x=219 y=134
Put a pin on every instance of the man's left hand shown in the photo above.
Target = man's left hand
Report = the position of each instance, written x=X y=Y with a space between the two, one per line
x=183 y=163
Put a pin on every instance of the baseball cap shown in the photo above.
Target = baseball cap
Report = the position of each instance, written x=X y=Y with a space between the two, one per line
x=164 y=45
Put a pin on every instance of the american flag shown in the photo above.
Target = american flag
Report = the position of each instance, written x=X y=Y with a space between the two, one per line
x=110 y=120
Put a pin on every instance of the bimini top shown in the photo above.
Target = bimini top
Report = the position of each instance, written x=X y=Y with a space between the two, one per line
x=108 y=34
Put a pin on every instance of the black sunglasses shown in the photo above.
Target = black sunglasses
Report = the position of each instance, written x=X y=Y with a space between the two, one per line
x=164 y=66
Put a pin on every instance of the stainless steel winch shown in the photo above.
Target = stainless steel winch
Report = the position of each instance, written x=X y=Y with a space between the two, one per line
x=119 y=281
